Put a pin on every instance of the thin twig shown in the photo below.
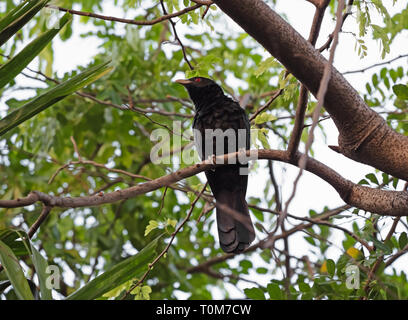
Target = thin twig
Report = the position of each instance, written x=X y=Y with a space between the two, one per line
x=380 y=259
x=162 y=200
x=320 y=99
x=192 y=206
x=272 y=99
x=44 y=214
x=173 y=25
x=303 y=93
x=36 y=225
x=376 y=65
x=331 y=36
x=129 y=21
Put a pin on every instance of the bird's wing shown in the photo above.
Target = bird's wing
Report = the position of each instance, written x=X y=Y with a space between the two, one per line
x=243 y=119
x=244 y=123
x=197 y=137
x=248 y=130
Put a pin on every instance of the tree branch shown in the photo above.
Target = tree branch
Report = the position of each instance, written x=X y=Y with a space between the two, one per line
x=173 y=25
x=376 y=65
x=303 y=94
x=382 y=202
x=316 y=114
x=129 y=21
x=363 y=134
x=173 y=236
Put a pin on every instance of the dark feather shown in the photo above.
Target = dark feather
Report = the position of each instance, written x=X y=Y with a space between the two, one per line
x=214 y=110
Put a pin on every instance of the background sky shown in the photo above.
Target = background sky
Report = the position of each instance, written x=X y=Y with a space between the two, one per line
x=313 y=193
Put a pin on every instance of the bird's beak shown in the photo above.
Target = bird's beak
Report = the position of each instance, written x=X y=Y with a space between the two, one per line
x=184 y=81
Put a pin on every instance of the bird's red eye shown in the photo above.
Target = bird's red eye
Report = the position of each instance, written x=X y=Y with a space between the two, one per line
x=197 y=80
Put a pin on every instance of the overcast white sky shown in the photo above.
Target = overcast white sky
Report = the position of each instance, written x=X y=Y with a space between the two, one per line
x=313 y=193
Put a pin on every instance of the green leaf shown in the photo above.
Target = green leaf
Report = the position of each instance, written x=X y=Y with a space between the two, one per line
x=15 y=273
x=142 y=293
x=395 y=183
x=52 y=96
x=254 y=293
x=41 y=265
x=118 y=290
x=12 y=239
x=386 y=178
x=153 y=224
x=274 y=291
x=171 y=222
x=368 y=87
x=403 y=240
x=372 y=178
x=264 y=117
x=401 y=91
x=374 y=80
x=14 y=66
x=383 y=247
x=18 y=17
x=331 y=267
x=246 y=264
x=363 y=181
x=262 y=270
x=310 y=240
x=133 y=267
x=265 y=65
x=304 y=287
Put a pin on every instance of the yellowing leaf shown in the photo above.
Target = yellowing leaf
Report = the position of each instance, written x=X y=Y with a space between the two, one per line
x=153 y=224
x=354 y=253
x=171 y=222
x=142 y=293
x=116 y=292
x=265 y=65
x=264 y=117
x=323 y=268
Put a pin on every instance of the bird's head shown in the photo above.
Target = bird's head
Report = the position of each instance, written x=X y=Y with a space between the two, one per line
x=201 y=90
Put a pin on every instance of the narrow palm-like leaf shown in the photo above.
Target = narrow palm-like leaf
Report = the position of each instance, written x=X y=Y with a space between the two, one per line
x=126 y=270
x=52 y=96
x=15 y=273
x=17 y=12
x=12 y=239
x=41 y=265
x=18 y=17
x=14 y=66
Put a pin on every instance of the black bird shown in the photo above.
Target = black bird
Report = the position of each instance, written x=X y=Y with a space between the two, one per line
x=214 y=110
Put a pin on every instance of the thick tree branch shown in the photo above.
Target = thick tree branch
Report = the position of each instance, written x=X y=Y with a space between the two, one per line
x=383 y=202
x=363 y=134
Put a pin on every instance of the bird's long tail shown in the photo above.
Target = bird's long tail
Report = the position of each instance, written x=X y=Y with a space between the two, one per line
x=235 y=228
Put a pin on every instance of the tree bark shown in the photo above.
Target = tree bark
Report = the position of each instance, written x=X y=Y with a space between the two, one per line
x=383 y=202
x=363 y=134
